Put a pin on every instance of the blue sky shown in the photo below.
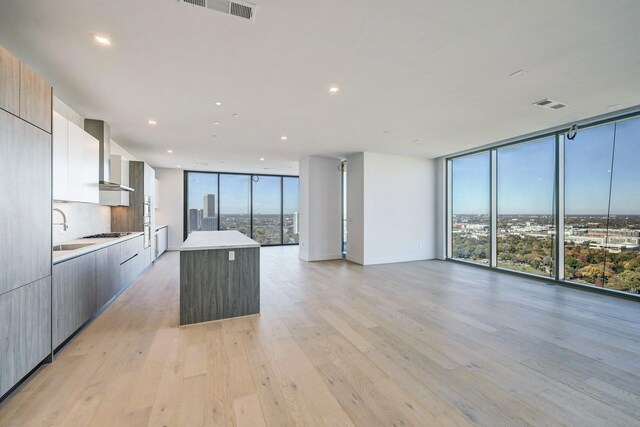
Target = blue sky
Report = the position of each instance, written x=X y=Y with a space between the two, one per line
x=525 y=175
x=235 y=193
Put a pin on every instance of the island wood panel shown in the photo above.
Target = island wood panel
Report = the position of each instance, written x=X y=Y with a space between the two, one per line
x=74 y=295
x=107 y=274
x=25 y=331
x=35 y=99
x=9 y=82
x=213 y=288
x=25 y=207
x=244 y=280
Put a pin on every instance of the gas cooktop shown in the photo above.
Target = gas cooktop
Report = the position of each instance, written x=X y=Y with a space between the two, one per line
x=107 y=235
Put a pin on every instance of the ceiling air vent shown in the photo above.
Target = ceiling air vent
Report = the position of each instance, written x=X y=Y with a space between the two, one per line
x=550 y=104
x=237 y=8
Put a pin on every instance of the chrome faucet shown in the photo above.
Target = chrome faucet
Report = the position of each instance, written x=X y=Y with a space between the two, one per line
x=64 y=225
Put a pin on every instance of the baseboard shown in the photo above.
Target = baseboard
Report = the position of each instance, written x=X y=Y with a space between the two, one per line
x=355 y=259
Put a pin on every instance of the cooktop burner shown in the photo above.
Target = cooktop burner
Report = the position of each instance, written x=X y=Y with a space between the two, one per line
x=107 y=235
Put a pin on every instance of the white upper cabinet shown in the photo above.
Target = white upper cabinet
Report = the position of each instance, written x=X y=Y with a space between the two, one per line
x=75 y=163
x=60 y=153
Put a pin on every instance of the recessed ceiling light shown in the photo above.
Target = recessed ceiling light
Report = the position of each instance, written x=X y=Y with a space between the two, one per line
x=518 y=73
x=218 y=103
x=216 y=123
x=178 y=166
x=386 y=132
x=102 y=40
x=169 y=151
x=283 y=137
x=262 y=159
x=152 y=122
x=215 y=136
x=334 y=89
x=236 y=115
x=416 y=140
x=614 y=107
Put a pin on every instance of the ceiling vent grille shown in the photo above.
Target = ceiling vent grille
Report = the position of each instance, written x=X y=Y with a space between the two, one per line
x=550 y=104
x=237 y=8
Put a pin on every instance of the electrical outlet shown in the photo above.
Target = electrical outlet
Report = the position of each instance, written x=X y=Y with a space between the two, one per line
x=232 y=255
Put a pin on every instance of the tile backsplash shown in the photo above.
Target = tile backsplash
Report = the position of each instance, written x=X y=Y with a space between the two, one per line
x=83 y=219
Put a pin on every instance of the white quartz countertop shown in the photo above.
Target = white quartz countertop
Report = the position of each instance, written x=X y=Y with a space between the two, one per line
x=95 y=244
x=231 y=239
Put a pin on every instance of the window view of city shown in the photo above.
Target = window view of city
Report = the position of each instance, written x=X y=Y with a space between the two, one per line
x=471 y=208
x=601 y=204
x=262 y=207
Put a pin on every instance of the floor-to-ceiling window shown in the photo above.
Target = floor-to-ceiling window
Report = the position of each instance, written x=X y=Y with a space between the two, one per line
x=267 y=209
x=263 y=207
x=471 y=208
x=566 y=206
x=526 y=221
x=290 y=209
x=235 y=203
x=202 y=206
x=602 y=194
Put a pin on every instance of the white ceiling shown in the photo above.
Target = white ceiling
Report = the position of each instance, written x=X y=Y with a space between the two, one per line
x=432 y=71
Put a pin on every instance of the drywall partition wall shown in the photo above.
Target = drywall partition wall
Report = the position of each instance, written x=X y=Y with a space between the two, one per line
x=320 y=203
x=169 y=211
x=398 y=216
x=441 y=208
x=355 y=208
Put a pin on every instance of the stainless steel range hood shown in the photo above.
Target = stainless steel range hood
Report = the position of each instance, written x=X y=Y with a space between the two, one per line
x=102 y=132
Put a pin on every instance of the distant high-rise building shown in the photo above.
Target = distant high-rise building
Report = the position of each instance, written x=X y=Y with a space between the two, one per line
x=209 y=206
x=193 y=220
x=200 y=216
x=209 y=224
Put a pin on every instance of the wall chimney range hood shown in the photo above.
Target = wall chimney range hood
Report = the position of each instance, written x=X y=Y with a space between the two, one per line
x=102 y=132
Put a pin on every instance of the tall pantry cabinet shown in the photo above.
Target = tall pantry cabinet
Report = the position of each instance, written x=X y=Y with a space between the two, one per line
x=25 y=221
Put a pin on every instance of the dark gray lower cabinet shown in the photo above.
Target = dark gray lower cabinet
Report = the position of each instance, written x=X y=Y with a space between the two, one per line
x=83 y=285
x=74 y=295
x=108 y=282
x=25 y=331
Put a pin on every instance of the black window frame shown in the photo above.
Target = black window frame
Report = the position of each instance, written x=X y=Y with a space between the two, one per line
x=185 y=201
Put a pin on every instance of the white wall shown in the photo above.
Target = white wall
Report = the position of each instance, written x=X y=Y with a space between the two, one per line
x=393 y=201
x=441 y=206
x=169 y=210
x=320 y=203
x=355 y=208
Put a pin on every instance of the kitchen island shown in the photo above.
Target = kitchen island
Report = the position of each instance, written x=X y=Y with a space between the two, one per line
x=219 y=276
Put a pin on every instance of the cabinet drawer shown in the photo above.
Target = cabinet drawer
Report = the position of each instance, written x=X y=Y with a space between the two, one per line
x=130 y=247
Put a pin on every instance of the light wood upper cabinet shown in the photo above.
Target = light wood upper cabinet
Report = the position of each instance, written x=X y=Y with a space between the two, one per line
x=25 y=203
x=75 y=163
x=9 y=82
x=35 y=99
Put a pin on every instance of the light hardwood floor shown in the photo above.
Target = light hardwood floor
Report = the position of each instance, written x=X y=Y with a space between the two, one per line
x=423 y=343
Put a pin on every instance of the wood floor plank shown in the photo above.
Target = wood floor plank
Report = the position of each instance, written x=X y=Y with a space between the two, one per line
x=337 y=344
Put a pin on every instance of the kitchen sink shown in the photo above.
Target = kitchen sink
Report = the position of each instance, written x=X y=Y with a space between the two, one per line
x=71 y=246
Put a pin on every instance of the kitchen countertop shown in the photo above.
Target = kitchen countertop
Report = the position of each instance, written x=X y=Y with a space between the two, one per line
x=231 y=239
x=97 y=244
